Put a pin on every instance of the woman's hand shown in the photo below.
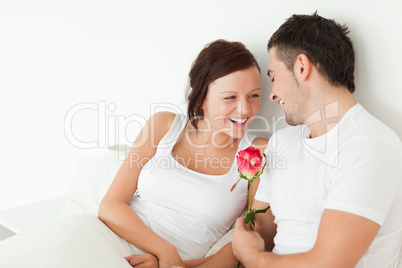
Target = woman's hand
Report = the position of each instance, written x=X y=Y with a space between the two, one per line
x=170 y=258
x=143 y=261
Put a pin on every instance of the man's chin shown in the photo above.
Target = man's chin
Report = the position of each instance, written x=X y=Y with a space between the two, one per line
x=292 y=122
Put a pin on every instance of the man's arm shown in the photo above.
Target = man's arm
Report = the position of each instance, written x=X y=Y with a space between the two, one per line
x=341 y=242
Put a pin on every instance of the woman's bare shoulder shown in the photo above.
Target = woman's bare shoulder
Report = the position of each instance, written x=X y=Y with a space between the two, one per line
x=160 y=123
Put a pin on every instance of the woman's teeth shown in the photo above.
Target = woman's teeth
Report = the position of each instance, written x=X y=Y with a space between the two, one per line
x=238 y=120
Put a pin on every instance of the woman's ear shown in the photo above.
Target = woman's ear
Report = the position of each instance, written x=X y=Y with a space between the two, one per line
x=204 y=104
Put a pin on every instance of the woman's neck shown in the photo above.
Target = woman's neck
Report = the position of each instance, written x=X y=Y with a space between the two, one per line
x=205 y=136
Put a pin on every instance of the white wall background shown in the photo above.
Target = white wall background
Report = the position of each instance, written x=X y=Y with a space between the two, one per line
x=85 y=74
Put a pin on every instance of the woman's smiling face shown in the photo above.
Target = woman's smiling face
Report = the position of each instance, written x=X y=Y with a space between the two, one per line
x=232 y=101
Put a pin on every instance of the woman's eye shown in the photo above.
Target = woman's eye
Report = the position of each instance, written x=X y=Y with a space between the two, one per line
x=255 y=95
x=230 y=98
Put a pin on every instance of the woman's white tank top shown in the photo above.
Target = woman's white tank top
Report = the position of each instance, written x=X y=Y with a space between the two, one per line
x=189 y=209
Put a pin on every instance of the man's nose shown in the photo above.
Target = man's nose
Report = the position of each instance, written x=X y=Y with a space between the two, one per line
x=272 y=96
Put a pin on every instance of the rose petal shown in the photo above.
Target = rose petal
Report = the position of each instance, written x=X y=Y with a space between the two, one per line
x=249 y=162
x=244 y=165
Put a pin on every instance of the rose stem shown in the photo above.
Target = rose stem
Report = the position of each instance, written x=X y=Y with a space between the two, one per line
x=249 y=204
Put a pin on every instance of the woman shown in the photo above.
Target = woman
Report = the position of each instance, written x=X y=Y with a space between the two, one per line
x=173 y=202
x=179 y=212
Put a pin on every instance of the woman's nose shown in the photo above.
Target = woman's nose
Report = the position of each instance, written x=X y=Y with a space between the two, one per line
x=243 y=107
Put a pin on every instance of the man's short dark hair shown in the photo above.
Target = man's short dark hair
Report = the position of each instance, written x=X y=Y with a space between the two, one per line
x=323 y=41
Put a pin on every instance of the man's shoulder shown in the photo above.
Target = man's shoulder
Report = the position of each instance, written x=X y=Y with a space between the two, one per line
x=362 y=125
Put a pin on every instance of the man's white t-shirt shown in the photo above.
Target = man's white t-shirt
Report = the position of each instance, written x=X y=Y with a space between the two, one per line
x=356 y=167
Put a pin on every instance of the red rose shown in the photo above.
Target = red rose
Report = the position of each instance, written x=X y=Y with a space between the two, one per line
x=249 y=163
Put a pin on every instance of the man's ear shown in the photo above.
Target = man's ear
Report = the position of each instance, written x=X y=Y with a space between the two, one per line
x=302 y=67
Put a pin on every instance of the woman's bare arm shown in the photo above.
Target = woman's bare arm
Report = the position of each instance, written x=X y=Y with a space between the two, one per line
x=114 y=209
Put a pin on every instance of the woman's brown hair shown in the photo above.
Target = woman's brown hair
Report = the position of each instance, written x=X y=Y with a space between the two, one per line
x=216 y=60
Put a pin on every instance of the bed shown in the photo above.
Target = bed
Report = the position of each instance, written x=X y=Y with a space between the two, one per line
x=98 y=247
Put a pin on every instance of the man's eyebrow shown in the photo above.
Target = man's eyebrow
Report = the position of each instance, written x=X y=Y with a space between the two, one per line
x=268 y=73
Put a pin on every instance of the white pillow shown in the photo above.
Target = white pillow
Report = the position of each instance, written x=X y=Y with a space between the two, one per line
x=400 y=259
x=92 y=179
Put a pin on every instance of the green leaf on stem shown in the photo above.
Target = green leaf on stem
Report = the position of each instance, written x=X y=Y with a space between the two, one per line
x=250 y=214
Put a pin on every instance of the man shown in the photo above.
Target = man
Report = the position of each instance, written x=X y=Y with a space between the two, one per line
x=338 y=200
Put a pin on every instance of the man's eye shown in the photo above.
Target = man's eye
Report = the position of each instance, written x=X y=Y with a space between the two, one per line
x=272 y=80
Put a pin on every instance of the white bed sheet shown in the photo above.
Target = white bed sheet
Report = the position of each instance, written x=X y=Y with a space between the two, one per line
x=80 y=240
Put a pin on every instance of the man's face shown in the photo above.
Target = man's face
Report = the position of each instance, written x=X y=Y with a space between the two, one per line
x=286 y=90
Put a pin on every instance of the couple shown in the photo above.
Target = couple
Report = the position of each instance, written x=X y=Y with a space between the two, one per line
x=336 y=203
